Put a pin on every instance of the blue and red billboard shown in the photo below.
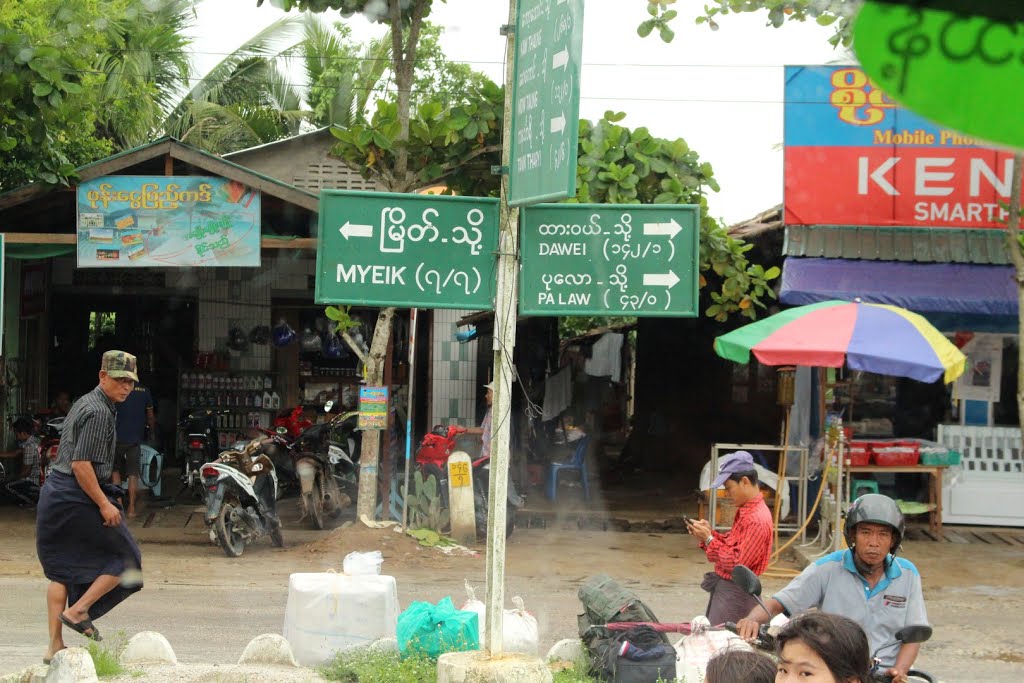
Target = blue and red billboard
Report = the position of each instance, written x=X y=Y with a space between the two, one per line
x=854 y=157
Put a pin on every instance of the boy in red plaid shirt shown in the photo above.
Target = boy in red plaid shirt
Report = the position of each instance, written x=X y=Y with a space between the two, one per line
x=749 y=542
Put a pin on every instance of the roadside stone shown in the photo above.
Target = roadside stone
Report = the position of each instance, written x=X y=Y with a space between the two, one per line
x=568 y=650
x=33 y=674
x=148 y=647
x=269 y=648
x=72 y=665
x=384 y=645
x=476 y=666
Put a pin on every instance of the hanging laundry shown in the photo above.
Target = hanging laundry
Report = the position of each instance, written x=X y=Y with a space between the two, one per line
x=606 y=357
x=557 y=394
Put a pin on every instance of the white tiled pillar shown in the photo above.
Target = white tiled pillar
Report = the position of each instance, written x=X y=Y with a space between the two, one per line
x=454 y=387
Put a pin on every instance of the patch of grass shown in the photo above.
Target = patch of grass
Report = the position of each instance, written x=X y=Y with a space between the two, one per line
x=376 y=666
x=573 y=675
x=106 y=658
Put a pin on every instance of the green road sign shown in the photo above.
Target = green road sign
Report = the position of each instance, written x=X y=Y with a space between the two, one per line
x=408 y=250
x=545 y=101
x=610 y=259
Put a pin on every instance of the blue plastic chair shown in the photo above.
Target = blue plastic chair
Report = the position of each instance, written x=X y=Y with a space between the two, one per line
x=578 y=463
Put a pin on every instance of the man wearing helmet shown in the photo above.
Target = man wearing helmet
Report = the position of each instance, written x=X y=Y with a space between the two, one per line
x=866 y=583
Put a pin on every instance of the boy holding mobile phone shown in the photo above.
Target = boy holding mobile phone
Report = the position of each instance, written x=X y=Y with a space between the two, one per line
x=749 y=542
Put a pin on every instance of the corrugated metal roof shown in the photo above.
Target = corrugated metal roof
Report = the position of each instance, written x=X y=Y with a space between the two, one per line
x=948 y=245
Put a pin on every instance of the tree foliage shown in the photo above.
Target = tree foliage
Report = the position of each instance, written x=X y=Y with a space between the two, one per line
x=838 y=13
x=48 y=88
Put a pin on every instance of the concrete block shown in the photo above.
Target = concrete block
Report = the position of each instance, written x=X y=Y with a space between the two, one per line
x=568 y=650
x=269 y=648
x=72 y=665
x=384 y=645
x=148 y=647
x=478 y=667
x=33 y=674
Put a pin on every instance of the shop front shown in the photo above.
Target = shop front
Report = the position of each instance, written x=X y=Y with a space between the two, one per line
x=194 y=264
x=918 y=226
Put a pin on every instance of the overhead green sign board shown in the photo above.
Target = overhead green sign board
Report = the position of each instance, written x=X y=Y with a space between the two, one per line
x=610 y=259
x=958 y=69
x=545 y=101
x=408 y=250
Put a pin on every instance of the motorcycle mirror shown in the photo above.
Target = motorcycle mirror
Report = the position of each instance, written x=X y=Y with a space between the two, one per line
x=328 y=406
x=917 y=633
x=748 y=582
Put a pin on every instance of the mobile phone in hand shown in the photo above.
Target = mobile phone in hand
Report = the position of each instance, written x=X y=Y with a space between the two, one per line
x=688 y=520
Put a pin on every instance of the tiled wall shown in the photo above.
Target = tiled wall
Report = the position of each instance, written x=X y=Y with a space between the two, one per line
x=455 y=386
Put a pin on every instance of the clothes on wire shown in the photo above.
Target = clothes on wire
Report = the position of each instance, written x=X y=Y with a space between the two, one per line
x=557 y=394
x=606 y=357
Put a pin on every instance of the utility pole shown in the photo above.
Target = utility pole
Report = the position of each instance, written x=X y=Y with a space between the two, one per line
x=505 y=317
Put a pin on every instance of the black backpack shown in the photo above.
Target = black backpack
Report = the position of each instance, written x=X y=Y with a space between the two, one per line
x=605 y=601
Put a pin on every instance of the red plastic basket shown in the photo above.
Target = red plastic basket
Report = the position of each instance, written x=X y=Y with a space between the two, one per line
x=859 y=453
x=895 y=453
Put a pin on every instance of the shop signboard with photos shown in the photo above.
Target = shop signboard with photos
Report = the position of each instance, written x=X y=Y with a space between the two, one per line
x=167 y=221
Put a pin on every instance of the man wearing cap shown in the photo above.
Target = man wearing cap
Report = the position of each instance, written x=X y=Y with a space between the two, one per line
x=83 y=544
x=484 y=430
x=749 y=542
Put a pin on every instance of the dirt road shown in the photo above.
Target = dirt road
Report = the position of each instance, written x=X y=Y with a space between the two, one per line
x=209 y=606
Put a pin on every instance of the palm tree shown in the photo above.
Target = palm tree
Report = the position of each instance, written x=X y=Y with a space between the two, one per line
x=247 y=99
x=146 y=68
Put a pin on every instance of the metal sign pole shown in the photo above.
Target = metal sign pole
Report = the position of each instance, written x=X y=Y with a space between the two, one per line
x=408 y=415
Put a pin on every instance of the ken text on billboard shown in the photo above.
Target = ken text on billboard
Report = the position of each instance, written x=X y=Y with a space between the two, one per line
x=854 y=157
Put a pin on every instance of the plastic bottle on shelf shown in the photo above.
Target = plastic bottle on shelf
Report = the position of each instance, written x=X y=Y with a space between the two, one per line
x=267 y=400
x=275 y=401
x=257 y=400
x=267 y=382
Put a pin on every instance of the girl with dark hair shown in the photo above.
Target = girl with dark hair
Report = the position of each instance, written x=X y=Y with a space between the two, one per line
x=823 y=648
x=739 y=666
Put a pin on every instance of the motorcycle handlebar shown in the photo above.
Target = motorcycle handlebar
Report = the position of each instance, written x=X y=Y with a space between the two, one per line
x=764 y=641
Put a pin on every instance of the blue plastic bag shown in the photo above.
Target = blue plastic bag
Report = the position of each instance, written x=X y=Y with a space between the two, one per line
x=432 y=630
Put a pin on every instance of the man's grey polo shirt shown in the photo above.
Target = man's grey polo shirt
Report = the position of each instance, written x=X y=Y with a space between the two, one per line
x=833 y=585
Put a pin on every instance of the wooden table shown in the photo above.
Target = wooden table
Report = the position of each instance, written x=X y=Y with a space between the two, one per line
x=934 y=491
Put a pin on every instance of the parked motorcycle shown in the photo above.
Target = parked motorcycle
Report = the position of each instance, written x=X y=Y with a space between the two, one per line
x=325 y=463
x=747 y=581
x=241 y=498
x=432 y=458
x=199 y=430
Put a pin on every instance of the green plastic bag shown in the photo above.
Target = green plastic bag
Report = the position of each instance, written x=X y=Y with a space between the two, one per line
x=432 y=630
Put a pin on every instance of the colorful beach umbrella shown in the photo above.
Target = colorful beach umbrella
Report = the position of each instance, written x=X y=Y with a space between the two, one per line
x=887 y=340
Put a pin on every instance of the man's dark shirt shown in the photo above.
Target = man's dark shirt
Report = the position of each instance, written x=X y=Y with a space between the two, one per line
x=88 y=434
x=131 y=416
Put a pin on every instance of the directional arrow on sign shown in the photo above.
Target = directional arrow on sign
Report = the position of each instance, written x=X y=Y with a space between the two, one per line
x=355 y=230
x=668 y=279
x=558 y=123
x=671 y=228
x=560 y=59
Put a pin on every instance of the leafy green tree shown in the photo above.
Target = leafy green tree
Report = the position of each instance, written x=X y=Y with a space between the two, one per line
x=826 y=12
x=49 y=89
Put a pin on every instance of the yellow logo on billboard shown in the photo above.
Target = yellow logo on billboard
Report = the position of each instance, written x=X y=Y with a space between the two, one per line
x=860 y=102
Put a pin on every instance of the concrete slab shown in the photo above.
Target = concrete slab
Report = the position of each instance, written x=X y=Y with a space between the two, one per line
x=478 y=667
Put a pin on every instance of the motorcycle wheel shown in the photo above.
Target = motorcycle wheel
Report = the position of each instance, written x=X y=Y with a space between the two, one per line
x=314 y=504
x=232 y=542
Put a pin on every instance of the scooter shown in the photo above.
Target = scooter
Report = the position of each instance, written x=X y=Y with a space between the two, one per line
x=432 y=459
x=241 y=498
x=325 y=463
x=747 y=581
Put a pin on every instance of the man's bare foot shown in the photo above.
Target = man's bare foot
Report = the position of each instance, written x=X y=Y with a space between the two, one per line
x=51 y=651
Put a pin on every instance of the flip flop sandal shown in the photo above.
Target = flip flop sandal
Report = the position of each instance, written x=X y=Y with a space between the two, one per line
x=82 y=626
